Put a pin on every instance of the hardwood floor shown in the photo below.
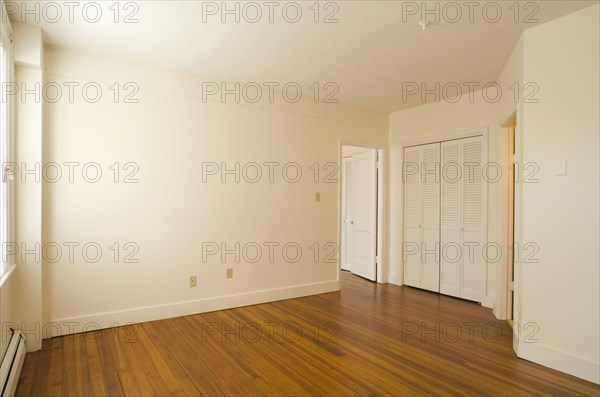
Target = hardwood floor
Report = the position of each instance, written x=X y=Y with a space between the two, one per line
x=368 y=339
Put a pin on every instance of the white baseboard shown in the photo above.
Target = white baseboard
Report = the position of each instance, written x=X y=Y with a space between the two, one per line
x=395 y=279
x=488 y=301
x=561 y=361
x=65 y=326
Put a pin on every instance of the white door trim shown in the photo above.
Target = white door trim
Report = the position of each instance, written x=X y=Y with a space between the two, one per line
x=502 y=310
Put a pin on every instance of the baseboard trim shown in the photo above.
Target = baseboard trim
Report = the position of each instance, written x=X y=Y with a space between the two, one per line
x=71 y=325
x=488 y=301
x=395 y=279
x=561 y=361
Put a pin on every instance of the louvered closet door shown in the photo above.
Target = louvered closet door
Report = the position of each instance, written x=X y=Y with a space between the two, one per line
x=430 y=218
x=421 y=216
x=462 y=269
x=412 y=216
x=473 y=215
x=450 y=229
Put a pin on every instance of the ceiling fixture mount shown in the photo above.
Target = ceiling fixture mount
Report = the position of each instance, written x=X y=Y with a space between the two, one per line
x=424 y=23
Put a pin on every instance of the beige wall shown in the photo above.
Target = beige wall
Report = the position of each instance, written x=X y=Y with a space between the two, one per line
x=511 y=76
x=560 y=293
x=171 y=212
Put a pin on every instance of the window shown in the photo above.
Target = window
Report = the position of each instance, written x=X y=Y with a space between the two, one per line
x=6 y=74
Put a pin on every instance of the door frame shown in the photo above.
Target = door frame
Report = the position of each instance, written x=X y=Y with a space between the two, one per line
x=382 y=270
x=502 y=310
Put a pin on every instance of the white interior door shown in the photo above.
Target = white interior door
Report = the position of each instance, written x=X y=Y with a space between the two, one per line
x=463 y=267
x=347 y=207
x=364 y=214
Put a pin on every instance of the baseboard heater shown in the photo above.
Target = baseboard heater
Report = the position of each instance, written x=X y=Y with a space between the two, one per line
x=12 y=362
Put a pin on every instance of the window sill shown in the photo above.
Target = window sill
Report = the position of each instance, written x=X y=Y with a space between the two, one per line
x=6 y=274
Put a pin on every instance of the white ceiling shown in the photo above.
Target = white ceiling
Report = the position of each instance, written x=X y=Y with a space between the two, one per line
x=368 y=53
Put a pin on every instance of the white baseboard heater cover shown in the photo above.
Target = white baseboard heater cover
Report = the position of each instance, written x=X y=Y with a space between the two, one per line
x=10 y=369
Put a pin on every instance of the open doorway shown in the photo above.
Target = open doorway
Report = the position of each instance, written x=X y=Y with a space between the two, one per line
x=506 y=272
x=361 y=211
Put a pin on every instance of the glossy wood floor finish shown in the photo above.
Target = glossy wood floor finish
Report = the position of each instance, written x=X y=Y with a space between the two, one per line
x=368 y=339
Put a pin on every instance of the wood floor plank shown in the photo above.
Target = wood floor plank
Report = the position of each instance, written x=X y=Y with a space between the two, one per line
x=97 y=378
x=367 y=339
x=177 y=377
x=55 y=379
x=109 y=371
x=69 y=376
x=132 y=376
x=42 y=367
x=27 y=373
x=83 y=382
x=204 y=379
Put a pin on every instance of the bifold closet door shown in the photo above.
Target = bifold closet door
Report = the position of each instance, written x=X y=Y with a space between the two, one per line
x=450 y=230
x=421 y=216
x=462 y=265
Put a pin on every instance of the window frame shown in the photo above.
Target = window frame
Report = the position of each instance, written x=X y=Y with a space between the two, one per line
x=7 y=263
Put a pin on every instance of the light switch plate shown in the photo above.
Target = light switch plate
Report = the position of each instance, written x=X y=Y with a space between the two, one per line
x=318 y=197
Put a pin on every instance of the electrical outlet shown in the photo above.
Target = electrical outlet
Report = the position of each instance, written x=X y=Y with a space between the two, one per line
x=229 y=272
x=193 y=281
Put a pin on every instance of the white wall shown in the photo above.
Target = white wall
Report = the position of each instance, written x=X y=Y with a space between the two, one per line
x=511 y=76
x=432 y=122
x=170 y=212
x=560 y=293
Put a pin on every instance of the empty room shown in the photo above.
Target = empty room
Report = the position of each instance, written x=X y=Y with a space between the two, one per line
x=300 y=198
